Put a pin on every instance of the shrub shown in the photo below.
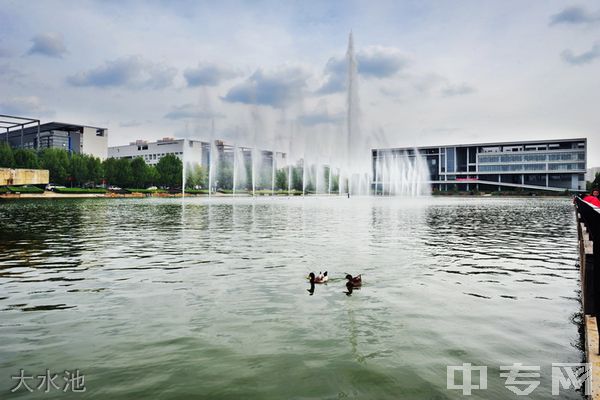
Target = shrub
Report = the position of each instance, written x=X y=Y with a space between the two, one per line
x=80 y=190
x=25 y=189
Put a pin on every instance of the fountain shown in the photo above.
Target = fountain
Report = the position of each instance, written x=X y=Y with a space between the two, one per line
x=325 y=164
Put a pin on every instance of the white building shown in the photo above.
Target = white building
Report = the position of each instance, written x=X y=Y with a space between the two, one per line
x=195 y=150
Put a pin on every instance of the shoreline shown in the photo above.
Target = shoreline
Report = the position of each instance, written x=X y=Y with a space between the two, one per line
x=54 y=195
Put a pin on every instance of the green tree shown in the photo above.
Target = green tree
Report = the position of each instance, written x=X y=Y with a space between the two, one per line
x=596 y=182
x=297 y=178
x=139 y=172
x=7 y=158
x=94 y=169
x=109 y=167
x=225 y=176
x=117 y=171
x=281 y=179
x=57 y=162
x=25 y=158
x=124 y=176
x=153 y=177
x=78 y=169
x=170 y=170
x=196 y=176
x=335 y=183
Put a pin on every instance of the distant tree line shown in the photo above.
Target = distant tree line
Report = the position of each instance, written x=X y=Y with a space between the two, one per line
x=78 y=170
x=287 y=178
x=72 y=169
x=595 y=184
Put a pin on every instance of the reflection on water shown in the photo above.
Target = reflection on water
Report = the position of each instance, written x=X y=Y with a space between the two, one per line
x=176 y=299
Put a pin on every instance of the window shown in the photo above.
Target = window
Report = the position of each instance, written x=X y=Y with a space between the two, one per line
x=566 y=167
x=490 y=149
x=99 y=132
x=511 y=158
x=534 y=157
x=489 y=159
x=450 y=159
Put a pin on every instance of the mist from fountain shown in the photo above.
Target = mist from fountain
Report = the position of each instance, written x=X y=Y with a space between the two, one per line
x=326 y=160
x=402 y=174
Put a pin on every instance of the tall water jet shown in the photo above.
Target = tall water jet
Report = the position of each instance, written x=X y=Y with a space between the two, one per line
x=404 y=174
x=357 y=157
x=235 y=164
x=213 y=159
x=273 y=172
x=183 y=170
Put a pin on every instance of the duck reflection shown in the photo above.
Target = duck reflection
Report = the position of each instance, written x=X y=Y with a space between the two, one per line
x=350 y=288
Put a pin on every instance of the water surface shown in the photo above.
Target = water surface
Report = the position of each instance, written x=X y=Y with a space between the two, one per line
x=207 y=298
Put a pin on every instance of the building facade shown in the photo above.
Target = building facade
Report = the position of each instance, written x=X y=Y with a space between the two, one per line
x=79 y=139
x=152 y=152
x=196 y=151
x=554 y=165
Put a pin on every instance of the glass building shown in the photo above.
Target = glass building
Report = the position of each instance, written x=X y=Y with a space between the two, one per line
x=71 y=137
x=555 y=165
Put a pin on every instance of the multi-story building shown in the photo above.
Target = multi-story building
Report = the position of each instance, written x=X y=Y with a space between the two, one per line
x=196 y=151
x=152 y=152
x=555 y=165
x=75 y=138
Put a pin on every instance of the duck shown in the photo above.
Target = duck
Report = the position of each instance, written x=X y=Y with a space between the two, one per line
x=354 y=281
x=321 y=278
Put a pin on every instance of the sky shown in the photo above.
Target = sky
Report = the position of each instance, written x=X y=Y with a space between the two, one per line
x=429 y=72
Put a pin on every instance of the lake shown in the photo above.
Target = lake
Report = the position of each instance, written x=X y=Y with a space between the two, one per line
x=207 y=298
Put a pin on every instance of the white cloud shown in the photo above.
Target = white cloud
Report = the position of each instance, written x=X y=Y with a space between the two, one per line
x=376 y=62
x=583 y=58
x=276 y=88
x=49 y=44
x=130 y=72
x=29 y=106
x=208 y=75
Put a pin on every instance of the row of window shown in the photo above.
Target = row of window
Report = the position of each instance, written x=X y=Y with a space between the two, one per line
x=580 y=156
x=158 y=156
x=531 y=167
x=554 y=146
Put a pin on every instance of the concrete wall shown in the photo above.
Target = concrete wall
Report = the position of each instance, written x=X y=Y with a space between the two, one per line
x=152 y=152
x=10 y=176
x=95 y=142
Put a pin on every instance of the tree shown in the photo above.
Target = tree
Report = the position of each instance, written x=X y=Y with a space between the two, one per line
x=25 y=158
x=94 y=169
x=78 y=168
x=170 y=170
x=196 y=175
x=139 y=172
x=57 y=162
x=7 y=159
x=110 y=169
x=281 y=179
x=123 y=176
x=117 y=171
x=596 y=182
x=153 y=177
x=297 y=178
x=225 y=176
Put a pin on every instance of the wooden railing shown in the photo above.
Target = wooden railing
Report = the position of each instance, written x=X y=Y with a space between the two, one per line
x=588 y=230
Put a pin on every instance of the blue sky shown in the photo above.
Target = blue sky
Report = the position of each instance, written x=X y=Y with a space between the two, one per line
x=430 y=72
